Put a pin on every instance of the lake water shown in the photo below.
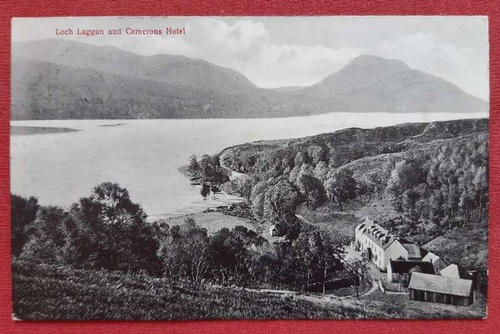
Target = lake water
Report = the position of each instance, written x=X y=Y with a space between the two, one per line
x=144 y=155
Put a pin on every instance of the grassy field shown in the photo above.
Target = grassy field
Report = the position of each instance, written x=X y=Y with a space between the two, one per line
x=418 y=310
x=43 y=292
x=212 y=221
x=329 y=217
x=326 y=218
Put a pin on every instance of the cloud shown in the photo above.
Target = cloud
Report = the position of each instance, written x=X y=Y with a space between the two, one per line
x=239 y=37
x=247 y=47
x=289 y=65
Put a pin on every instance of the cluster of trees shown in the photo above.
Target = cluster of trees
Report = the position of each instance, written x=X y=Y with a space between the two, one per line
x=227 y=257
x=108 y=231
x=275 y=201
x=103 y=231
x=207 y=169
x=279 y=182
x=441 y=182
x=445 y=185
x=241 y=257
x=315 y=257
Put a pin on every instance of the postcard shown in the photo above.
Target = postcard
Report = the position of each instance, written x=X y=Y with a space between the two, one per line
x=331 y=167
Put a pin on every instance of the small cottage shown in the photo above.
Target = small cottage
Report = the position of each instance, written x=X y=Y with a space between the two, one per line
x=436 y=261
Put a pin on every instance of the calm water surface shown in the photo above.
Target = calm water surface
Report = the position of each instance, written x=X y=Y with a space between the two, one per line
x=144 y=155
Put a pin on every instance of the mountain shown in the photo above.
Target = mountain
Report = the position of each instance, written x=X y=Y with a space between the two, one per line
x=171 y=69
x=374 y=84
x=58 y=79
x=361 y=72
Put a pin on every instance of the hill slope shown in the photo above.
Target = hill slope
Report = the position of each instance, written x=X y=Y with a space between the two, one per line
x=361 y=72
x=374 y=84
x=421 y=181
x=57 y=79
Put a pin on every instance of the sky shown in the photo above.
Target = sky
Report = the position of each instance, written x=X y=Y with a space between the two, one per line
x=297 y=51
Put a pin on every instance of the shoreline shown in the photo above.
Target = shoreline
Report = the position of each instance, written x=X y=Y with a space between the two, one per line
x=213 y=201
x=21 y=130
x=474 y=114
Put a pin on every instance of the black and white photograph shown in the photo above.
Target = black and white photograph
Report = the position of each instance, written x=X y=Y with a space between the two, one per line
x=186 y=168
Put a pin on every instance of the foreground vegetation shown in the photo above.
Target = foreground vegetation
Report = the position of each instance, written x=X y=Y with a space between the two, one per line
x=46 y=292
x=107 y=232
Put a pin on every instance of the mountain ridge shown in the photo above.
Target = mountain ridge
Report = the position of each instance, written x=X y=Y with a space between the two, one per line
x=172 y=86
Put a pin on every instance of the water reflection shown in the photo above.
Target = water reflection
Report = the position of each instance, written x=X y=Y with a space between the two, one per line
x=205 y=191
x=208 y=190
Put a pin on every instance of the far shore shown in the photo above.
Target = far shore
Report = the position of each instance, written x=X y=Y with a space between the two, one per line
x=16 y=130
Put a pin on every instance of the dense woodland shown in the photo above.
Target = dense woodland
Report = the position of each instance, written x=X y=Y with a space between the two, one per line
x=107 y=231
x=434 y=175
x=435 y=172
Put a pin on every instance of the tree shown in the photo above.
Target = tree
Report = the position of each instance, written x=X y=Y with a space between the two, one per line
x=334 y=159
x=281 y=200
x=110 y=204
x=362 y=189
x=23 y=213
x=300 y=158
x=321 y=171
x=194 y=250
x=244 y=187
x=320 y=254
x=194 y=166
x=205 y=191
x=405 y=175
x=480 y=182
x=360 y=270
x=231 y=257
x=206 y=168
x=341 y=187
x=308 y=247
x=210 y=169
x=317 y=153
x=333 y=246
x=313 y=191
x=110 y=231
x=49 y=234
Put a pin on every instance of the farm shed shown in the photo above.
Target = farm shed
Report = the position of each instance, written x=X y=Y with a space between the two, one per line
x=440 y=289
